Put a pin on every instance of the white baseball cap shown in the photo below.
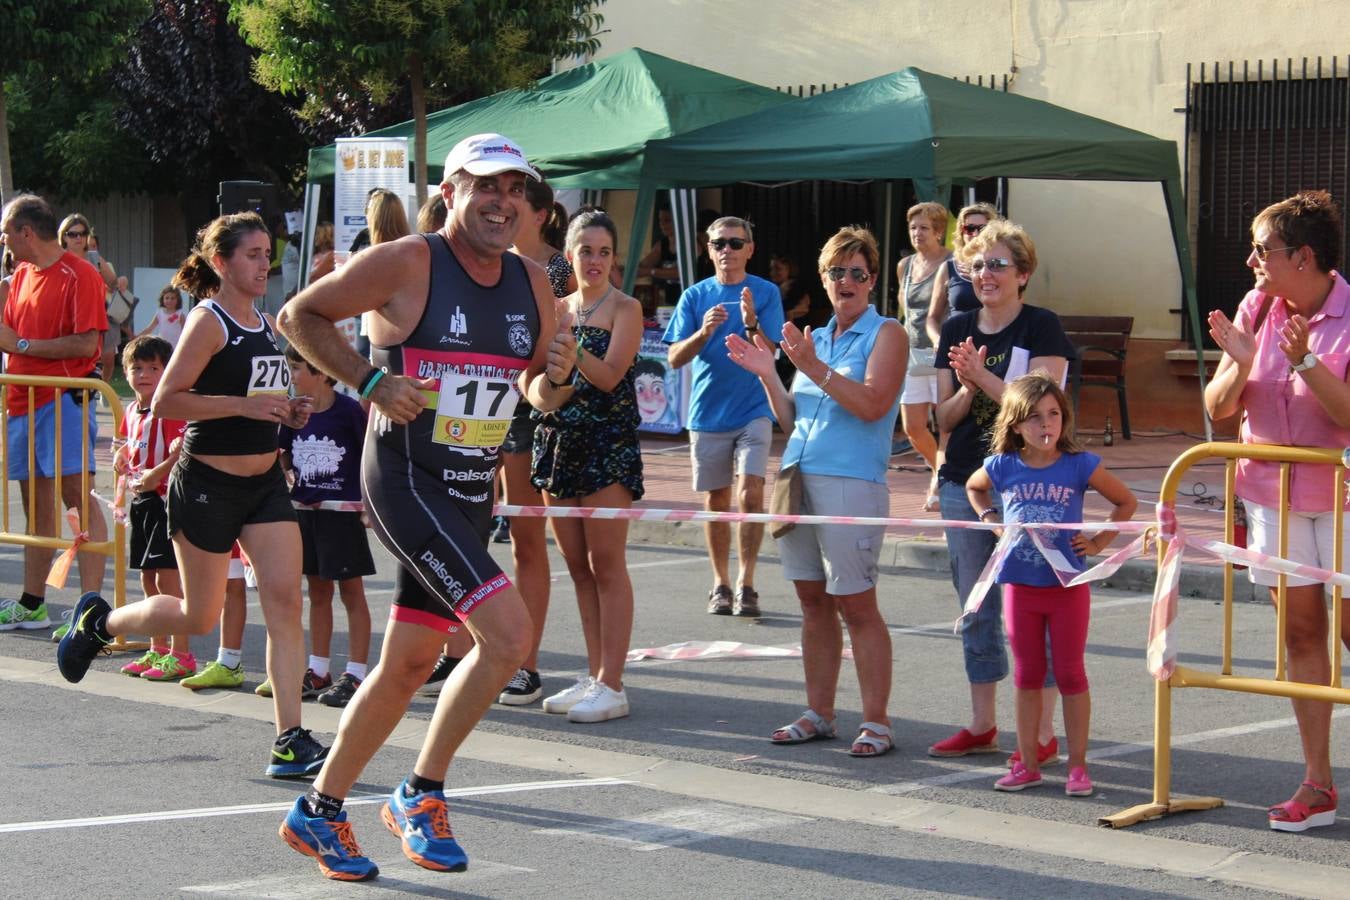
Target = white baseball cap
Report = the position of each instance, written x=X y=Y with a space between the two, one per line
x=489 y=154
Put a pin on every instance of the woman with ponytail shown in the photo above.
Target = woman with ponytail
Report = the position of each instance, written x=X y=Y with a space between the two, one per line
x=230 y=381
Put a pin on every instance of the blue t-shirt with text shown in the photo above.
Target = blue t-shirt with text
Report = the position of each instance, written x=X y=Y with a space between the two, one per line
x=723 y=396
x=1051 y=494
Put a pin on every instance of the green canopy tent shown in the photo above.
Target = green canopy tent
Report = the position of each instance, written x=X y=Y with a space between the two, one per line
x=932 y=130
x=588 y=127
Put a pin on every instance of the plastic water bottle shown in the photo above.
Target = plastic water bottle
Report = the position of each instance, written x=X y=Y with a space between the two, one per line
x=1108 y=434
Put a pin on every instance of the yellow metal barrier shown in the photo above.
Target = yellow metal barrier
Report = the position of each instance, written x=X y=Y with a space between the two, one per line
x=1279 y=686
x=115 y=547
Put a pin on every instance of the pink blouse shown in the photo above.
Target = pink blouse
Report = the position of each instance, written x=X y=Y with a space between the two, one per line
x=1279 y=408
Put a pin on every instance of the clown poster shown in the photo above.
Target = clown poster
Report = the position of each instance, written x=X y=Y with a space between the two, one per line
x=662 y=392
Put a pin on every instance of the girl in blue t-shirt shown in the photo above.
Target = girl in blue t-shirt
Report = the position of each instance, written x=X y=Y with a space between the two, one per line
x=1041 y=473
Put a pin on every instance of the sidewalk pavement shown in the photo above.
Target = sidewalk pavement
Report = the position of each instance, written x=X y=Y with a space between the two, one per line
x=1140 y=463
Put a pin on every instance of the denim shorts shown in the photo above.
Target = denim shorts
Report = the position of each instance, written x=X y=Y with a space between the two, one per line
x=44 y=439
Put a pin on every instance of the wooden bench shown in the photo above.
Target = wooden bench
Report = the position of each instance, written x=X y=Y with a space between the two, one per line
x=1101 y=342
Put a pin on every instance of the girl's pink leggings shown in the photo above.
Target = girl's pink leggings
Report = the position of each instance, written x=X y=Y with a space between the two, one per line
x=1028 y=614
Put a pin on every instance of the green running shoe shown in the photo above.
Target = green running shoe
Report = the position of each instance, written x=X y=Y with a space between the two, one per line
x=172 y=668
x=264 y=689
x=61 y=629
x=14 y=614
x=136 y=669
x=215 y=675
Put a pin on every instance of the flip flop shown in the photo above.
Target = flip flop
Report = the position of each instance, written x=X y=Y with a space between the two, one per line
x=798 y=735
x=880 y=740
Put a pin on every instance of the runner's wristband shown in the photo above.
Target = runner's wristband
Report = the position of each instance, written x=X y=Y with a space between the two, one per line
x=368 y=383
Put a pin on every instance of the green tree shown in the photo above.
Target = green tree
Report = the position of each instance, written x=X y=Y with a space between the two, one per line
x=446 y=50
x=55 y=39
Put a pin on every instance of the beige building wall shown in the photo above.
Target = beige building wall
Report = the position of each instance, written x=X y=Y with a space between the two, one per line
x=1105 y=247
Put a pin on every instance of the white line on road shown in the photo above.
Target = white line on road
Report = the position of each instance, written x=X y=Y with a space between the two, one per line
x=248 y=809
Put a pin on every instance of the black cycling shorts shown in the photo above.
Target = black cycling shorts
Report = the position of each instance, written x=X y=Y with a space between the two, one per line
x=438 y=534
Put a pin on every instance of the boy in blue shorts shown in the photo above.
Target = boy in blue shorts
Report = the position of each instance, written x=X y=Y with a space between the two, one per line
x=323 y=461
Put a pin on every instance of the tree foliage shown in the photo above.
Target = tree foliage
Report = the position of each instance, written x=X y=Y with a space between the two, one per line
x=446 y=51
x=45 y=45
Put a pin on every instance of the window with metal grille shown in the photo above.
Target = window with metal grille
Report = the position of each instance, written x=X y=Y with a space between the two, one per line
x=1258 y=133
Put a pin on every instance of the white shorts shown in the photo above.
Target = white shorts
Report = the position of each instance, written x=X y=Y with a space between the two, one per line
x=1310 y=541
x=845 y=557
x=919 y=389
x=720 y=455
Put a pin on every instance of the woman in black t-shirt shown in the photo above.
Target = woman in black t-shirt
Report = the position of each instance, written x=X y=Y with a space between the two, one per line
x=979 y=353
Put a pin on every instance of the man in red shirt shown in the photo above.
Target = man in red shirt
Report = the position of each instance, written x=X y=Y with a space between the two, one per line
x=53 y=324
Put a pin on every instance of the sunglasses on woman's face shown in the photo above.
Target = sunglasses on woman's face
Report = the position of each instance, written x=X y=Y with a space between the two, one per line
x=858 y=274
x=972 y=228
x=994 y=265
x=75 y=234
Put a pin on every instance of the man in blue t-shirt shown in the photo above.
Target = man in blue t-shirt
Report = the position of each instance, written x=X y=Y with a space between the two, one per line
x=730 y=424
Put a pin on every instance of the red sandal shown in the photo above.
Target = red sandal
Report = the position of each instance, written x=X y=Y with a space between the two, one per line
x=1292 y=815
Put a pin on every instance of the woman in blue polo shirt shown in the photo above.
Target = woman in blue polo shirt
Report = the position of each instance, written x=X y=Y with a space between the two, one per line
x=841 y=414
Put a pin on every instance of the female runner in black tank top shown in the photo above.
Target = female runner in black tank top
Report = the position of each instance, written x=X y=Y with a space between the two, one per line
x=228 y=378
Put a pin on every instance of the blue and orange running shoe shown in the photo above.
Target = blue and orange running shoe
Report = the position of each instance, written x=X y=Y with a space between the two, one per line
x=330 y=841
x=82 y=643
x=423 y=823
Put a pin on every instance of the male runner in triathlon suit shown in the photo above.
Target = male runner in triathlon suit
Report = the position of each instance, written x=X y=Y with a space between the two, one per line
x=459 y=326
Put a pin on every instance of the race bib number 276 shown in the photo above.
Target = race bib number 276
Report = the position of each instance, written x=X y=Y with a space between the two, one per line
x=270 y=375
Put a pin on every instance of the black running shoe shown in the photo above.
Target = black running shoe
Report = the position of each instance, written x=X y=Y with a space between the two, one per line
x=523 y=689
x=341 y=691
x=501 y=530
x=295 y=755
x=80 y=645
x=436 y=680
x=314 y=685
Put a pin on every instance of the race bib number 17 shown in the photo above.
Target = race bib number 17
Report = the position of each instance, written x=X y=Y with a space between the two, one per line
x=270 y=375
x=474 y=411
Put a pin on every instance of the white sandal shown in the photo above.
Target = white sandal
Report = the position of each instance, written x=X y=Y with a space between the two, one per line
x=880 y=740
x=824 y=730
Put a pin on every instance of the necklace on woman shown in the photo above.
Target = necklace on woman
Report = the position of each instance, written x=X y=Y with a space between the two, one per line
x=584 y=314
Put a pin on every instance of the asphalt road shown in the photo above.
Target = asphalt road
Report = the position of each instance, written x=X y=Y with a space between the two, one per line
x=116 y=787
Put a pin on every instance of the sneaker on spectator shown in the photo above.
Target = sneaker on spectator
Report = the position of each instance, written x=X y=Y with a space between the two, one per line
x=1019 y=779
x=264 y=689
x=295 y=755
x=136 y=668
x=14 y=614
x=172 y=668
x=61 y=629
x=1079 y=784
x=423 y=823
x=523 y=689
x=564 y=700
x=314 y=685
x=215 y=675
x=340 y=692
x=436 y=680
x=600 y=704
x=501 y=530
x=329 y=841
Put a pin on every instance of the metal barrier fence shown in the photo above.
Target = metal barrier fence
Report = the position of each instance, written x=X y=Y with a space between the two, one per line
x=82 y=391
x=1278 y=686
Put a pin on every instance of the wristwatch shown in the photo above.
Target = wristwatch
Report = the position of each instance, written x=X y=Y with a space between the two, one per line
x=1309 y=360
x=22 y=345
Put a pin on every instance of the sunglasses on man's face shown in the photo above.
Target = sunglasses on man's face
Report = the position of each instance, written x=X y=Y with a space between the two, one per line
x=733 y=243
x=857 y=273
x=75 y=234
